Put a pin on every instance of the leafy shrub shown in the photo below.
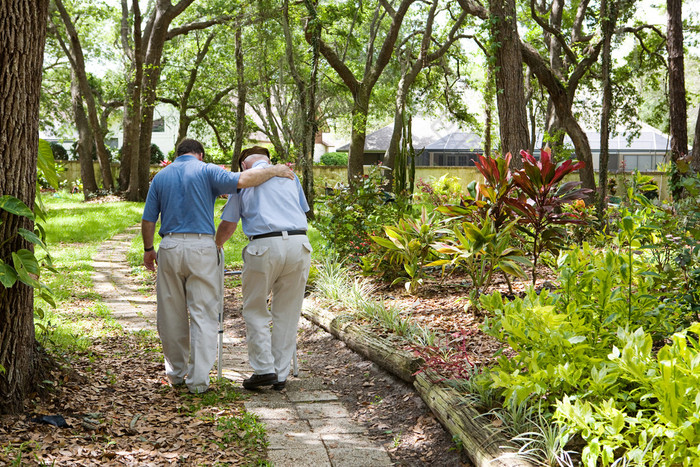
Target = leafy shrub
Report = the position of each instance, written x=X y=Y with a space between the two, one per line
x=334 y=158
x=60 y=153
x=217 y=156
x=437 y=192
x=156 y=154
x=346 y=219
x=654 y=420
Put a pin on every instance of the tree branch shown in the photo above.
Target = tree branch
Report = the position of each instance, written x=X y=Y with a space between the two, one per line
x=199 y=25
x=553 y=31
x=474 y=8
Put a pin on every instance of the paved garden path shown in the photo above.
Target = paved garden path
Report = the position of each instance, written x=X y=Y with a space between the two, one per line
x=306 y=424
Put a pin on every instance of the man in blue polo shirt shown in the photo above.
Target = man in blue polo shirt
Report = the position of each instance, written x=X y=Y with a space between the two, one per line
x=189 y=264
x=276 y=261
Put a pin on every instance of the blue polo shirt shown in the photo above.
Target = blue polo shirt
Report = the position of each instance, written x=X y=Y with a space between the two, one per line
x=183 y=195
x=276 y=205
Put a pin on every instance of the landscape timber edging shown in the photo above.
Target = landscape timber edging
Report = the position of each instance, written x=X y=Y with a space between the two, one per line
x=396 y=361
x=481 y=442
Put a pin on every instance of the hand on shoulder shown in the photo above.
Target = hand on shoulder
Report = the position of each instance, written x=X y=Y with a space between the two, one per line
x=282 y=170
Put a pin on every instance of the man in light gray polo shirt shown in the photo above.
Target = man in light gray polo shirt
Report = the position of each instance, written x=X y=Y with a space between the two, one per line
x=188 y=286
x=276 y=261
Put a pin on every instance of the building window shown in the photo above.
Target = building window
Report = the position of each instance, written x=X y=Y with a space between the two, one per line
x=159 y=125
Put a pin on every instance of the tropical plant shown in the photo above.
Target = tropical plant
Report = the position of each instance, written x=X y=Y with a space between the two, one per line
x=481 y=251
x=408 y=244
x=497 y=187
x=540 y=200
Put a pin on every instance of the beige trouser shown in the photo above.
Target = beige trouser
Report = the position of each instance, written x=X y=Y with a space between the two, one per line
x=189 y=270
x=279 y=266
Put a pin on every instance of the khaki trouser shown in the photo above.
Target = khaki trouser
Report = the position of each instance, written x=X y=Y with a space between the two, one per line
x=279 y=266
x=189 y=270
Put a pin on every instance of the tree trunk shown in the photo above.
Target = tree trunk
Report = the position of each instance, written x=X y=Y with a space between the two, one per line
x=132 y=102
x=311 y=126
x=356 y=155
x=393 y=149
x=562 y=103
x=489 y=94
x=241 y=98
x=676 y=89
x=78 y=66
x=23 y=23
x=609 y=19
x=695 y=159
x=146 y=59
x=512 y=111
x=85 y=141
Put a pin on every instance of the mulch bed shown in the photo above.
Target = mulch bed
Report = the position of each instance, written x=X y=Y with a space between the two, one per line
x=119 y=410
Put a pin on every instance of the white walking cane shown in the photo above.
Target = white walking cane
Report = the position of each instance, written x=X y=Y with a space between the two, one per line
x=222 y=265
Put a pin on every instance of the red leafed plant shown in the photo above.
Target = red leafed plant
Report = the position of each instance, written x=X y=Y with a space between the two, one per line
x=540 y=200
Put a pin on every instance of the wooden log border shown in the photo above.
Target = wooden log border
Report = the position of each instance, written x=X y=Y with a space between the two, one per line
x=481 y=442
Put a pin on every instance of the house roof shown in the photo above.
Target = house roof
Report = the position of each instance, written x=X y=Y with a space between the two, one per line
x=649 y=140
x=457 y=141
x=424 y=132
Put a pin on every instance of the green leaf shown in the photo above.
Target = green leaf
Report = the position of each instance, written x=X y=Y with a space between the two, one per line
x=45 y=163
x=47 y=295
x=384 y=243
x=8 y=276
x=31 y=237
x=15 y=206
x=26 y=266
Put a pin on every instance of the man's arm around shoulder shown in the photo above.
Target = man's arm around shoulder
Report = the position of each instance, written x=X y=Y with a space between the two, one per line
x=250 y=178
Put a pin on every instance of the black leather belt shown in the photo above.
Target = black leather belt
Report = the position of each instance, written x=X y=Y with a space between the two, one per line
x=277 y=234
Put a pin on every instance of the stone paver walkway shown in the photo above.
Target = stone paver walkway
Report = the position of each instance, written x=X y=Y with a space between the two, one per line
x=306 y=424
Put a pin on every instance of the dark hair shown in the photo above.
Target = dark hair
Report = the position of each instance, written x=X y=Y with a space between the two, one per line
x=190 y=146
x=250 y=151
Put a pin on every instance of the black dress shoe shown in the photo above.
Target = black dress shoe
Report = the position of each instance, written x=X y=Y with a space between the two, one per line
x=256 y=381
x=279 y=385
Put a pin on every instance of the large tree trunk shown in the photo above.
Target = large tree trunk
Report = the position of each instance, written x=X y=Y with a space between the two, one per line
x=23 y=26
x=676 y=89
x=78 y=65
x=85 y=141
x=562 y=103
x=356 y=156
x=512 y=111
x=151 y=76
x=608 y=10
x=242 y=95
x=695 y=159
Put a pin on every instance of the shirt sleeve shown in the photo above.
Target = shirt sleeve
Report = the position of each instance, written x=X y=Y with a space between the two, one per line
x=151 y=210
x=302 y=198
x=232 y=209
x=222 y=181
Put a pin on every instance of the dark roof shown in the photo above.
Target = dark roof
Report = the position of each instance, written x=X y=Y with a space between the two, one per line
x=457 y=141
x=649 y=140
x=423 y=134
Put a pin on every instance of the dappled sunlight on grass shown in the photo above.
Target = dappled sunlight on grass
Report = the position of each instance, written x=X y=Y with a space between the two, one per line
x=70 y=220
